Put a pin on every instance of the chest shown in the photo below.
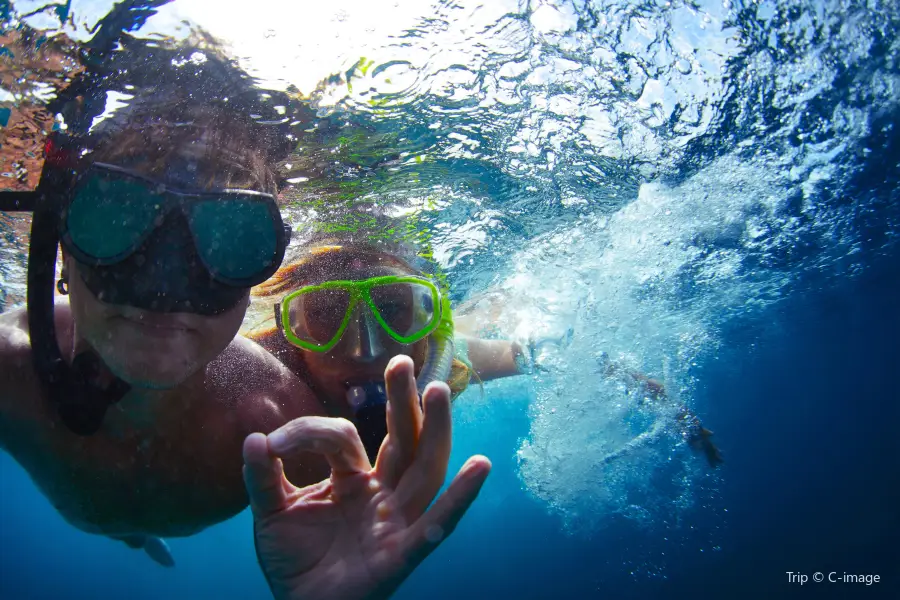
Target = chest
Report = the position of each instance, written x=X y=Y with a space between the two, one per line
x=174 y=482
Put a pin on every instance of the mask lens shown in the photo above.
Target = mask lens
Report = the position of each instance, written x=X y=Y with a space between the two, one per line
x=407 y=308
x=109 y=217
x=316 y=316
x=237 y=238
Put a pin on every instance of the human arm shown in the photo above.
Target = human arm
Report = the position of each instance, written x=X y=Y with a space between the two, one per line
x=493 y=359
x=359 y=534
x=697 y=436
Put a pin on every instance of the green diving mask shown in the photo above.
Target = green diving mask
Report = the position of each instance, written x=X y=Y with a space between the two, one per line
x=407 y=308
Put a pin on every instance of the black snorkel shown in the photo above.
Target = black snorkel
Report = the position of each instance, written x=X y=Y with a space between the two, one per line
x=72 y=389
x=370 y=416
x=80 y=400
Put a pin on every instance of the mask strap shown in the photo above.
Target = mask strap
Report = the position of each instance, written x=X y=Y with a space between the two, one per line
x=81 y=403
x=18 y=201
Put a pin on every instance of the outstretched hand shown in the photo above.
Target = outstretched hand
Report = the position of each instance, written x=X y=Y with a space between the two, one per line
x=362 y=532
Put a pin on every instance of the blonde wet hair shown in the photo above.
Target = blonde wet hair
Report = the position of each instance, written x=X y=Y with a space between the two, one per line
x=294 y=275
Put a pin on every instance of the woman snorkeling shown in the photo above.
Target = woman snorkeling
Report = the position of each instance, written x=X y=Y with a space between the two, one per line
x=351 y=301
x=347 y=306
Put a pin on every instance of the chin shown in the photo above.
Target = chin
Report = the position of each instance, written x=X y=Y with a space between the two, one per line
x=161 y=373
x=160 y=380
x=154 y=363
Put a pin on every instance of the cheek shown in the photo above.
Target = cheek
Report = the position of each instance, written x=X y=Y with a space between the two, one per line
x=217 y=332
x=326 y=367
x=325 y=374
x=418 y=352
x=88 y=312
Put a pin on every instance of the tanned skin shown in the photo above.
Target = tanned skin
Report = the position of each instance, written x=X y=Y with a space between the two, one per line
x=164 y=463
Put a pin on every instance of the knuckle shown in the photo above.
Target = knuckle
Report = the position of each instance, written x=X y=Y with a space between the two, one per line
x=344 y=428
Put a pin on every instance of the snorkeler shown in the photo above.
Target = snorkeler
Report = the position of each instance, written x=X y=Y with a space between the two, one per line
x=482 y=314
x=346 y=309
x=351 y=301
x=128 y=399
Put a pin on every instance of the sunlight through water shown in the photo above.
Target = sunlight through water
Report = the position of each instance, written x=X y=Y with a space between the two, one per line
x=602 y=181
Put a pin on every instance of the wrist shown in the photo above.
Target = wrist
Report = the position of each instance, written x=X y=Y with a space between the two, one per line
x=523 y=358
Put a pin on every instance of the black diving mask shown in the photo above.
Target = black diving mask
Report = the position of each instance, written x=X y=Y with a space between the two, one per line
x=141 y=243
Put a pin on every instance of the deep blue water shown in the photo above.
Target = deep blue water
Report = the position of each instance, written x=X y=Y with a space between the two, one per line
x=805 y=405
x=788 y=194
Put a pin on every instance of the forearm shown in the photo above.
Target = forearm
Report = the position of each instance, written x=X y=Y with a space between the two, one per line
x=493 y=359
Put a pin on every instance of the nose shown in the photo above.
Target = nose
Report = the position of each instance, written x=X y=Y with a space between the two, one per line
x=169 y=256
x=363 y=336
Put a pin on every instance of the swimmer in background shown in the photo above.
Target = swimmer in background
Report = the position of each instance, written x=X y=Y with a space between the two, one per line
x=346 y=306
x=484 y=312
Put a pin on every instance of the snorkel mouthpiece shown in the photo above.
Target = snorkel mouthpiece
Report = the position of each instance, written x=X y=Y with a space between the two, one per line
x=366 y=395
x=369 y=402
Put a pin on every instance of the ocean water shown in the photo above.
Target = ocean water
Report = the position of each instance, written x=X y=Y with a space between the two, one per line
x=705 y=192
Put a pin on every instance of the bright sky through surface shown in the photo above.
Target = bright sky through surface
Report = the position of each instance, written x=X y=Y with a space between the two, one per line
x=297 y=43
x=282 y=42
x=301 y=43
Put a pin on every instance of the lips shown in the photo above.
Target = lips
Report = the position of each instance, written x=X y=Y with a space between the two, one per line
x=158 y=322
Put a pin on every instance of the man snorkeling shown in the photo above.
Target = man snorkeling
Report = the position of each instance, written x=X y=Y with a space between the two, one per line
x=127 y=401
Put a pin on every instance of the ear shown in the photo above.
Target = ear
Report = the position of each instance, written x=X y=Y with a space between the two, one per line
x=62 y=284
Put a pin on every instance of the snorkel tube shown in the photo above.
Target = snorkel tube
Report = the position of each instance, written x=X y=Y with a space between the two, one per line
x=440 y=350
x=72 y=389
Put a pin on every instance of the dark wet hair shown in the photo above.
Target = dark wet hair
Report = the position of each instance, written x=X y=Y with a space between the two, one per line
x=150 y=97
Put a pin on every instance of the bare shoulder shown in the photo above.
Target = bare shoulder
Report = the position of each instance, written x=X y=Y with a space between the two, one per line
x=19 y=387
x=257 y=389
x=15 y=355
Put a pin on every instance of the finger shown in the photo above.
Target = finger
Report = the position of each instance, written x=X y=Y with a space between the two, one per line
x=336 y=439
x=404 y=419
x=438 y=523
x=263 y=476
x=422 y=481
